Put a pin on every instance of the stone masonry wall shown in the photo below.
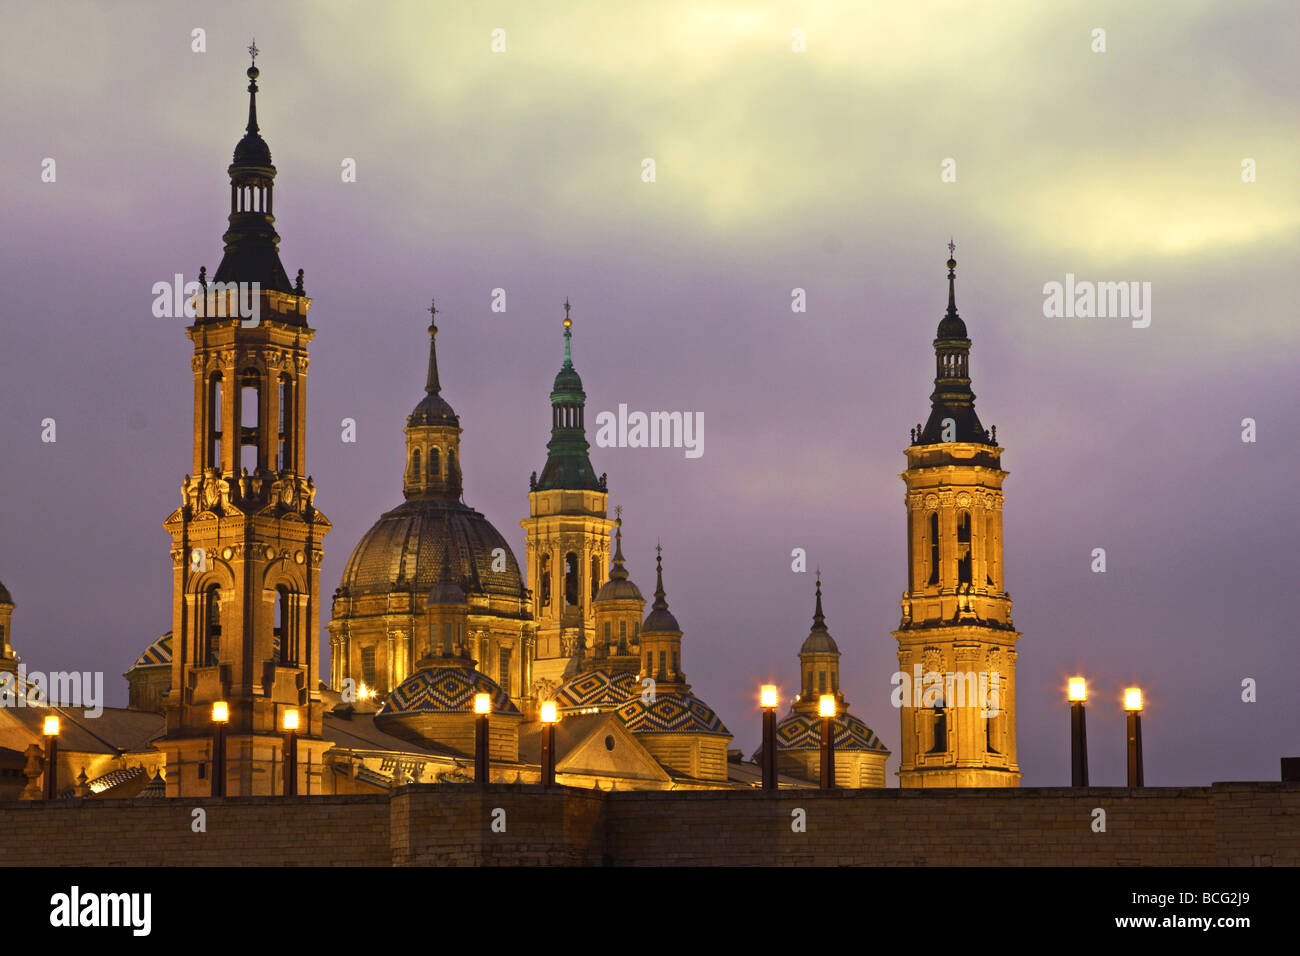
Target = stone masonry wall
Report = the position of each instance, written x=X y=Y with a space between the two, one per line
x=1237 y=824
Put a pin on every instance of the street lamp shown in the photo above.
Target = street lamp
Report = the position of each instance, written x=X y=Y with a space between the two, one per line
x=51 y=729
x=550 y=717
x=1078 y=693
x=289 y=723
x=220 y=717
x=482 y=708
x=826 y=708
x=767 y=698
x=1133 y=704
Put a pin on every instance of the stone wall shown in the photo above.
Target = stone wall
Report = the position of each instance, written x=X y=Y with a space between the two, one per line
x=1238 y=824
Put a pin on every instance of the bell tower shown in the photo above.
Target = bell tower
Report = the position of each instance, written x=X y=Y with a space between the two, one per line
x=956 y=641
x=246 y=541
x=567 y=535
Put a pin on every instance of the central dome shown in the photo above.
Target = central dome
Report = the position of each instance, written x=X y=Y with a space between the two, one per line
x=405 y=549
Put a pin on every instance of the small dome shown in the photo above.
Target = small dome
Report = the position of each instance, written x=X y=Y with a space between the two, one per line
x=567 y=383
x=951 y=327
x=444 y=690
x=819 y=642
x=619 y=589
x=252 y=151
x=433 y=410
x=661 y=621
x=5 y=596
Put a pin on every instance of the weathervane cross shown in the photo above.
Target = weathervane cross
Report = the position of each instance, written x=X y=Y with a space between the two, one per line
x=952 y=247
x=253 y=51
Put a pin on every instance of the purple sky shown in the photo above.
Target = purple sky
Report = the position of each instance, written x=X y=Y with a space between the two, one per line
x=775 y=170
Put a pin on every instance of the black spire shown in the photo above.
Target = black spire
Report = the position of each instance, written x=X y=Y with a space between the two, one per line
x=952 y=398
x=619 y=572
x=431 y=384
x=433 y=408
x=252 y=245
x=660 y=618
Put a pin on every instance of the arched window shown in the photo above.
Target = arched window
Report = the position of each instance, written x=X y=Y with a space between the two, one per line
x=249 y=413
x=934 y=547
x=451 y=464
x=544 y=580
x=211 y=626
x=595 y=576
x=281 y=650
x=286 y=424
x=939 y=727
x=963 y=548
x=434 y=464
x=607 y=632
x=415 y=465
x=571 y=579
x=214 y=419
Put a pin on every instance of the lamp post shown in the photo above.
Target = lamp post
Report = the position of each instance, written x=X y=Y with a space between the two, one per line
x=1133 y=704
x=767 y=698
x=550 y=717
x=51 y=729
x=1078 y=693
x=482 y=707
x=826 y=708
x=290 y=726
x=220 y=717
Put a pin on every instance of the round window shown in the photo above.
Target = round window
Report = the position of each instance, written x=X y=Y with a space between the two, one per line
x=609 y=742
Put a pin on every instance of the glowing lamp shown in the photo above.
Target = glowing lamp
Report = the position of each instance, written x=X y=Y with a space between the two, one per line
x=826 y=705
x=1133 y=698
x=550 y=712
x=767 y=695
x=291 y=718
x=482 y=703
x=51 y=726
x=220 y=712
x=1078 y=690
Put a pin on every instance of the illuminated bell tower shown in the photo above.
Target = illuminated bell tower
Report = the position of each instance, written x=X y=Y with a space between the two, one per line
x=246 y=541
x=956 y=641
x=567 y=535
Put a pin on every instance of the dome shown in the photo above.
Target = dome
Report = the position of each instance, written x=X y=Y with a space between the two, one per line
x=951 y=327
x=661 y=621
x=567 y=383
x=433 y=410
x=444 y=690
x=405 y=549
x=619 y=589
x=671 y=714
x=596 y=689
x=804 y=732
x=5 y=596
x=252 y=151
x=819 y=642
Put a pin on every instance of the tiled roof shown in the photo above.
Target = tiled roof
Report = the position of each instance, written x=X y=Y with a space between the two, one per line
x=441 y=690
x=671 y=714
x=804 y=732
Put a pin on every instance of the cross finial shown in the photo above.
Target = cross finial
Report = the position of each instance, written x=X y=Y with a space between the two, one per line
x=566 y=309
x=432 y=309
x=659 y=548
x=252 y=52
x=952 y=247
x=618 y=511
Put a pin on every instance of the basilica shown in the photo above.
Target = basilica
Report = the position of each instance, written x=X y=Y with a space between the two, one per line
x=435 y=608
